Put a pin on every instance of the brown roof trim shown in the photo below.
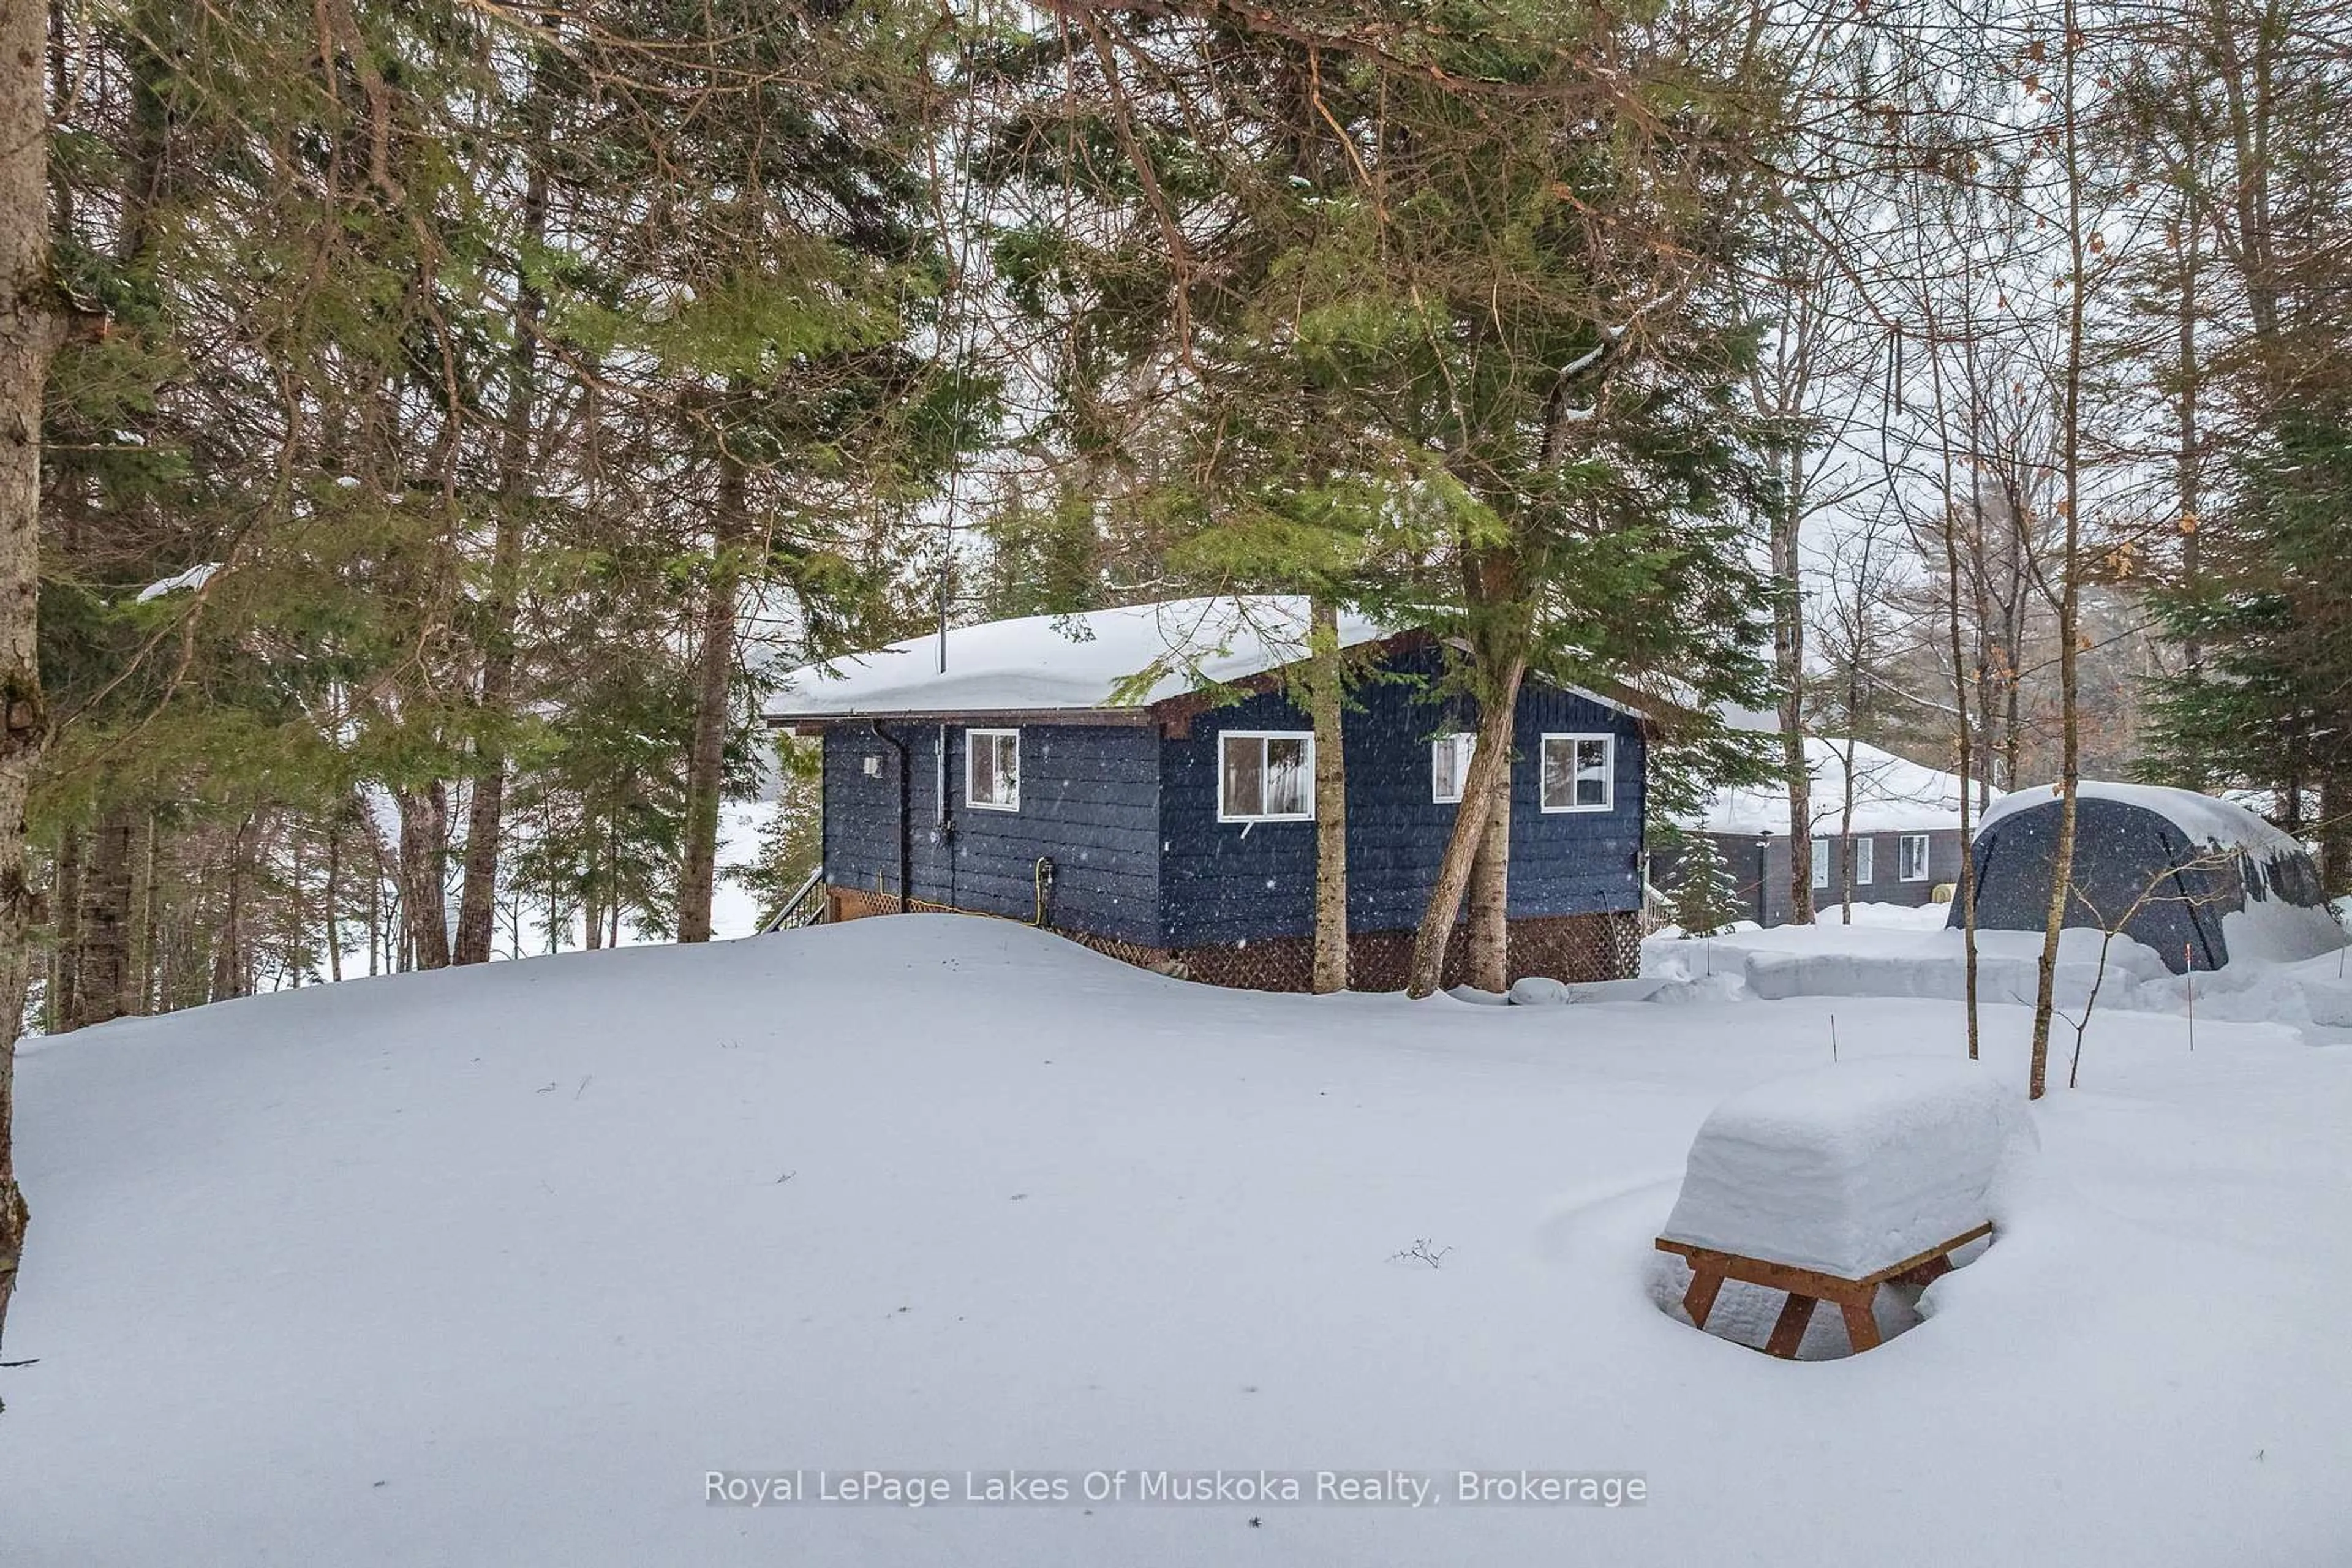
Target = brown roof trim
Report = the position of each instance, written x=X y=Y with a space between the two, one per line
x=817 y=723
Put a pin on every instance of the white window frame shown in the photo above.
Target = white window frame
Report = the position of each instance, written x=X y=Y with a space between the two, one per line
x=1927 y=848
x=971 y=740
x=1820 y=861
x=1608 y=801
x=1438 y=746
x=1262 y=736
x=1865 y=850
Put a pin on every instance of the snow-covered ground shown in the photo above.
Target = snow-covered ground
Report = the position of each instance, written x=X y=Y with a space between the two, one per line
x=1891 y=952
x=495 y=1266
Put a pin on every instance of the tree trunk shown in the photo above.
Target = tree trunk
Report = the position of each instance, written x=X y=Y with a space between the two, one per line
x=334 y=911
x=713 y=716
x=30 y=328
x=298 y=950
x=1489 y=965
x=229 y=967
x=1856 y=655
x=424 y=867
x=477 y=897
x=1966 y=758
x=2061 y=878
x=591 y=900
x=143 y=923
x=65 y=943
x=376 y=943
x=1326 y=701
x=2069 y=591
x=484 y=826
x=1492 y=755
x=1981 y=608
x=106 y=920
x=2189 y=459
x=173 y=945
x=1845 y=842
x=1788 y=669
x=2012 y=726
x=2334 y=834
x=16 y=1214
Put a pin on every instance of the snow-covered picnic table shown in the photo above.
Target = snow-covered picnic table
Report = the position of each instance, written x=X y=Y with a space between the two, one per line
x=1828 y=1184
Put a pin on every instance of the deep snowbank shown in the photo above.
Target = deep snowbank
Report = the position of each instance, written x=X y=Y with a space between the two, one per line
x=493 y=1267
x=1887 y=959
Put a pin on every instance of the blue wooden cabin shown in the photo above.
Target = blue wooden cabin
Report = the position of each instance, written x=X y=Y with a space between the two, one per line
x=1092 y=774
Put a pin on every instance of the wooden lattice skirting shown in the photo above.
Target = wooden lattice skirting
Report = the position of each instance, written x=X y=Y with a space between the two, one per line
x=1564 y=947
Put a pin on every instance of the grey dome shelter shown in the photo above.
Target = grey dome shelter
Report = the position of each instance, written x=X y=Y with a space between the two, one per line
x=2198 y=861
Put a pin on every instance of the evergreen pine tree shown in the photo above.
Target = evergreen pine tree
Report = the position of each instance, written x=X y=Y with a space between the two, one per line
x=1425 y=334
x=2272 y=610
x=1704 y=904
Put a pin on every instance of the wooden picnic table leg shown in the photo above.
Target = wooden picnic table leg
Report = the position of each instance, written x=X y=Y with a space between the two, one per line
x=1707 y=1283
x=1861 y=1324
x=1928 y=1273
x=1788 y=1331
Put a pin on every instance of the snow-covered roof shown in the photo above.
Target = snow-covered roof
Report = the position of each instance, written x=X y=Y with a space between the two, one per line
x=1128 y=658
x=2202 y=818
x=1890 y=794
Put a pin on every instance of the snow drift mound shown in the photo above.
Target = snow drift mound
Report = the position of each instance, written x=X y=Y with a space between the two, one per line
x=495 y=1265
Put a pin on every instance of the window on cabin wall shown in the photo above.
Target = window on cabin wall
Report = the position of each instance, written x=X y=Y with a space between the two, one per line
x=991 y=770
x=1821 y=862
x=1911 y=857
x=1865 y=855
x=1580 y=773
x=1449 y=766
x=1266 y=776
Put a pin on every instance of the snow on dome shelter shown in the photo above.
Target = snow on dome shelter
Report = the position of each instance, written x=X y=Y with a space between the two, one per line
x=2211 y=880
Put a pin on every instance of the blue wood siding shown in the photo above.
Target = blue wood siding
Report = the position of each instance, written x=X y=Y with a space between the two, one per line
x=861 y=811
x=1574 y=862
x=1228 y=882
x=1130 y=821
x=1741 y=858
x=1089 y=802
